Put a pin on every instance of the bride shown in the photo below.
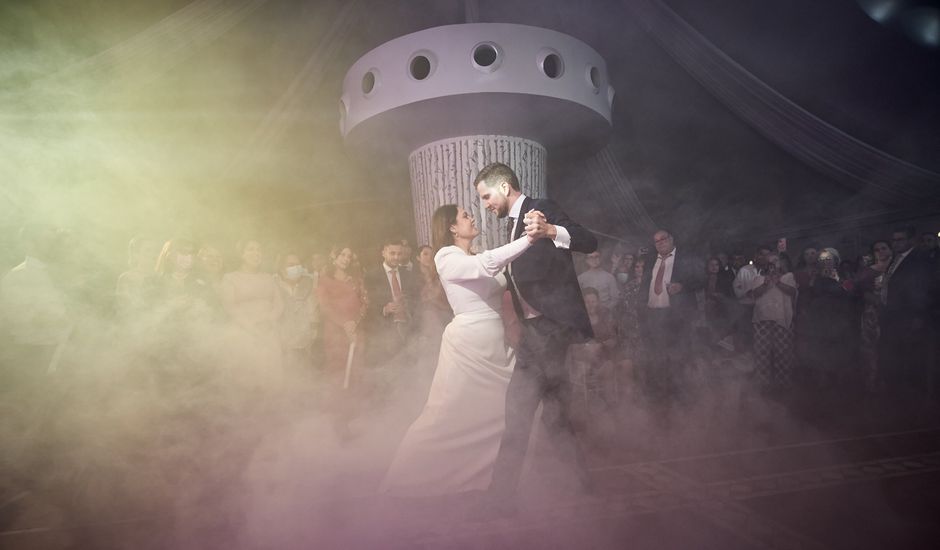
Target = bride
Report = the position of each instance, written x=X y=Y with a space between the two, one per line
x=451 y=447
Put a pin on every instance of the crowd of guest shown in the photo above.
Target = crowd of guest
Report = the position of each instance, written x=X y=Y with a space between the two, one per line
x=203 y=350
x=828 y=323
x=658 y=311
x=266 y=317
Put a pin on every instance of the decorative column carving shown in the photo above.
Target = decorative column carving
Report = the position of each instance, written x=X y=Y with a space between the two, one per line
x=442 y=172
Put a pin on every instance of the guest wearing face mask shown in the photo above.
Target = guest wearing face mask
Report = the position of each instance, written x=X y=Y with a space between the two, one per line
x=300 y=322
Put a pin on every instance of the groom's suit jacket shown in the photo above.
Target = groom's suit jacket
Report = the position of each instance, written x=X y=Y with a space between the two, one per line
x=545 y=274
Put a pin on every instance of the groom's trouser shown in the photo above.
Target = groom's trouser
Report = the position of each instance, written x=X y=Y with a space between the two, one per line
x=540 y=376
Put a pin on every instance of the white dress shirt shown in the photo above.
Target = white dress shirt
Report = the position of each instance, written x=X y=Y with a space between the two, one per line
x=659 y=301
x=389 y=274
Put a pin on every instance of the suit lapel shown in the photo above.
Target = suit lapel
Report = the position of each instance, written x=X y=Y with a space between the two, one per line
x=520 y=225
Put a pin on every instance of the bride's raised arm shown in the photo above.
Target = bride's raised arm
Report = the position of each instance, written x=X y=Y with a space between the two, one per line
x=454 y=264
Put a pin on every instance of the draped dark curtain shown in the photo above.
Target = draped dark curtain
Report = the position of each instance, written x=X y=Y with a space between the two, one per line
x=894 y=183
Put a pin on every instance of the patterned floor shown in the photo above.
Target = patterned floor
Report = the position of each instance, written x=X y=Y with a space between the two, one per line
x=870 y=479
x=734 y=505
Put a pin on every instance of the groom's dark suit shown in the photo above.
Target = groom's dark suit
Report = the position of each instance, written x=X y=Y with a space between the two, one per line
x=544 y=277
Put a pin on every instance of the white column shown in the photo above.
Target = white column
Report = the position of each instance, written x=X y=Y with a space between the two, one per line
x=442 y=172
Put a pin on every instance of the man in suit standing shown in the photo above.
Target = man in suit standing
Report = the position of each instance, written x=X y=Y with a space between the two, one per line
x=904 y=315
x=392 y=292
x=548 y=301
x=669 y=291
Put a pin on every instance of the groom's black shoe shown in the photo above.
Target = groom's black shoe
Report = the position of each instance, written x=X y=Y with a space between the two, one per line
x=493 y=508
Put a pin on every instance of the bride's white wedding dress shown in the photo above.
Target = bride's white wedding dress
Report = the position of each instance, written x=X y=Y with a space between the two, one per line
x=452 y=445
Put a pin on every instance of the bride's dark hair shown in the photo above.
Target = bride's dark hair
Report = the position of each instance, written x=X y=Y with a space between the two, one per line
x=444 y=217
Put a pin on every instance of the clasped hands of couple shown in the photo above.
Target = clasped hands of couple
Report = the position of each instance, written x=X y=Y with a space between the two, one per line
x=537 y=226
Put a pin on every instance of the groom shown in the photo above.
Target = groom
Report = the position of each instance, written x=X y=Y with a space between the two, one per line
x=548 y=301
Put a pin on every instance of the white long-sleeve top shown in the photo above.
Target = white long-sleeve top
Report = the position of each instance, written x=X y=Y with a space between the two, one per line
x=473 y=284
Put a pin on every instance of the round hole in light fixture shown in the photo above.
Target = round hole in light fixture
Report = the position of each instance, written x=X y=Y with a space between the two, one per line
x=594 y=78
x=486 y=56
x=420 y=67
x=551 y=64
x=368 y=82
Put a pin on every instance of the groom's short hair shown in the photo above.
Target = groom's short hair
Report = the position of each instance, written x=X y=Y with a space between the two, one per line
x=496 y=173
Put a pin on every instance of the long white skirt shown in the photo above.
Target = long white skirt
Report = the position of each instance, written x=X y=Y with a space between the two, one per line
x=451 y=447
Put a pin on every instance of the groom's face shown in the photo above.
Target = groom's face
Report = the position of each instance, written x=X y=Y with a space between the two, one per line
x=495 y=198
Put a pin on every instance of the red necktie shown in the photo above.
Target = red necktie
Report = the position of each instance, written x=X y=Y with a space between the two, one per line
x=660 y=273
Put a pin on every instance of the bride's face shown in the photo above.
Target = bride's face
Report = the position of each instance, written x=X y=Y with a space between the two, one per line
x=466 y=226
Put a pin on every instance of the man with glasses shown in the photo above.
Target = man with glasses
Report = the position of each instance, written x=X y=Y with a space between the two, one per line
x=669 y=290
